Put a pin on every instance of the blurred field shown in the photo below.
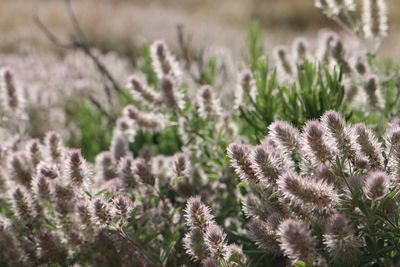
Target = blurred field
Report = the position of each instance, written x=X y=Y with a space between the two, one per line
x=124 y=24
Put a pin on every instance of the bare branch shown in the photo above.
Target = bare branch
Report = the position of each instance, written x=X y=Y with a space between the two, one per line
x=97 y=104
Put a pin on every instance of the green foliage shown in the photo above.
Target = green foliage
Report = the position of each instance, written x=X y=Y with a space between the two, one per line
x=94 y=130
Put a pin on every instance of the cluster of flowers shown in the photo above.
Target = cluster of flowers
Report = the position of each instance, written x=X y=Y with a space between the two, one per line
x=61 y=208
x=316 y=195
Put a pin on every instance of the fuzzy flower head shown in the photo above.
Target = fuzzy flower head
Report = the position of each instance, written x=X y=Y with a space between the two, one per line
x=373 y=92
x=370 y=146
x=337 y=7
x=105 y=166
x=164 y=63
x=41 y=187
x=285 y=136
x=300 y=51
x=197 y=214
x=314 y=144
x=22 y=205
x=239 y=155
x=145 y=121
x=125 y=127
x=268 y=163
x=215 y=241
x=307 y=192
x=123 y=206
x=34 y=151
x=284 y=63
x=119 y=146
x=140 y=90
x=376 y=185
x=245 y=89
x=48 y=170
x=181 y=165
x=125 y=171
x=209 y=106
x=195 y=245
x=374 y=18
x=101 y=211
x=19 y=169
x=54 y=147
x=143 y=171
x=171 y=96
x=339 y=238
x=296 y=240
x=339 y=134
x=263 y=236
x=11 y=96
x=76 y=168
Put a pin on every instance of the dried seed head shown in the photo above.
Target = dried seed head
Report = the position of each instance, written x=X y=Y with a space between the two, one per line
x=197 y=214
x=208 y=105
x=296 y=241
x=215 y=241
x=340 y=240
x=76 y=169
x=239 y=155
x=285 y=136
x=143 y=171
x=376 y=185
x=194 y=244
x=374 y=18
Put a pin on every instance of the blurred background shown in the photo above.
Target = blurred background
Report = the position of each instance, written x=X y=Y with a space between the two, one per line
x=123 y=25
